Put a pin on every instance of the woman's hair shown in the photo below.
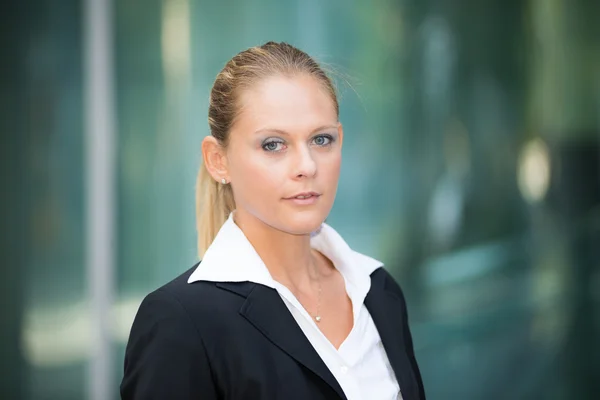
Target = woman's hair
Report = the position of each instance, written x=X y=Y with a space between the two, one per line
x=214 y=201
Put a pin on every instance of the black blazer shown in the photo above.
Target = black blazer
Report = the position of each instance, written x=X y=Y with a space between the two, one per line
x=210 y=340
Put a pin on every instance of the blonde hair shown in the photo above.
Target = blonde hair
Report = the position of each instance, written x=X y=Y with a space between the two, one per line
x=214 y=200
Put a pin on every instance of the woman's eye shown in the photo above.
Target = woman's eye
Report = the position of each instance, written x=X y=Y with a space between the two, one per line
x=272 y=146
x=323 y=140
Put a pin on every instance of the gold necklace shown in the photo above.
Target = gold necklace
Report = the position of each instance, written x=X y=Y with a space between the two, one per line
x=318 y=316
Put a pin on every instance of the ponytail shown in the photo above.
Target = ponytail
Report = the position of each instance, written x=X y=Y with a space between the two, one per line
x=214 y=203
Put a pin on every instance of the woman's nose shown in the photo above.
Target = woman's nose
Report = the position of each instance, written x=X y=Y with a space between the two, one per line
x=304 y=164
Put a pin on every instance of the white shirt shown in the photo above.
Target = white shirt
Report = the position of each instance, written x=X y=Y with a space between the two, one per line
x=360 y=365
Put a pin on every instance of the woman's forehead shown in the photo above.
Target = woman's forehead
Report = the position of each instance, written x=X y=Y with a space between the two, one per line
x=281 y=101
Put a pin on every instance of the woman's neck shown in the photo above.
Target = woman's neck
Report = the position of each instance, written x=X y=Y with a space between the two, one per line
x=288 y=257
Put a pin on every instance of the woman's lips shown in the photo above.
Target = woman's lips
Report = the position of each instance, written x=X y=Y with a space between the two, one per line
x=304 y=199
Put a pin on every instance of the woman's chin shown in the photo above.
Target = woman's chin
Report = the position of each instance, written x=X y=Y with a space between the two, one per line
x=304 y=226
x=295 y=223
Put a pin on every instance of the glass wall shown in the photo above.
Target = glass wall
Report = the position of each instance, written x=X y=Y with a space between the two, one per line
x=471 y=168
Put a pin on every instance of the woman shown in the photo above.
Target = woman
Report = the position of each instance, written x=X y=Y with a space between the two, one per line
x=279 y=307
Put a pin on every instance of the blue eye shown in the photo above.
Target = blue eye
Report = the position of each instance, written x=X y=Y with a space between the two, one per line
x=323 y=140
x=273 y=146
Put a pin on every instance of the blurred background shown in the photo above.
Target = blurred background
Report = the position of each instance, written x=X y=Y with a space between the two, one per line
x=471 y=168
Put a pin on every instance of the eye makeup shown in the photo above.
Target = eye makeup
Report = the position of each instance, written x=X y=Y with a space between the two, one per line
x=275 y=145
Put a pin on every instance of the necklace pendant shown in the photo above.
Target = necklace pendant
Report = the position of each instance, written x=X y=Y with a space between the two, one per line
x=318 y=318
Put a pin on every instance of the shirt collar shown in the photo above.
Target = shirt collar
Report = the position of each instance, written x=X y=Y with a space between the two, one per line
x=231 y=258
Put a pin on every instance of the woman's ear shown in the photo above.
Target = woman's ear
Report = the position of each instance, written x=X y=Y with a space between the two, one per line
x=340 y=133
x=215 y=158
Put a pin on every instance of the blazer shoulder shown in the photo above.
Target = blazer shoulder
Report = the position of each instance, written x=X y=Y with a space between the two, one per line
x=383 y=280
x=182 y=290
x=201 y=300
x=172 y=295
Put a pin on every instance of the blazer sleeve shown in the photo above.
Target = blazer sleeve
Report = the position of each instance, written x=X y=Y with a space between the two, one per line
x=411 y=353
x=165 y=357
x=408 y=343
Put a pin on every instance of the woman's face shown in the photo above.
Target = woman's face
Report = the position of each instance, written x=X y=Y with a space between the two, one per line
x=286 y=143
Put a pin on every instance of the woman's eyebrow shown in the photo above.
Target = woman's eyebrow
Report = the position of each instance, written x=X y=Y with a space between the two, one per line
x=284 y=133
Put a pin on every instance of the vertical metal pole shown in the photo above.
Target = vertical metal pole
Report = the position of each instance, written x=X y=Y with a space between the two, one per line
x=100 y=186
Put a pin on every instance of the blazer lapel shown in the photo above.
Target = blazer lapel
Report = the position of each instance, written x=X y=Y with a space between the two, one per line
x=386 y=310
x=265 y=309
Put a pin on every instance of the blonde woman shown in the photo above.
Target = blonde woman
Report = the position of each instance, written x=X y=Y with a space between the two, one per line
x=280 y=307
